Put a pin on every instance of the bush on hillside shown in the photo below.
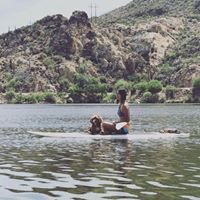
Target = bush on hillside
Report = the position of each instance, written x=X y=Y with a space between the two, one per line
x=19 y=99
x=196 y=90
x=48 y=62
x=170 y=91
x=11 y=84
x=121 y=84
x=49 y=98
x=87 y=89
x=64 y=84
x=154 y=86
x=109 y=98
x=38 y=97
x=29 y=98
x=82 y=80
x=148 y=97
x=73 y=89
x=10 y=95
x=141 y=87
x=196 y=83
x=87 y=84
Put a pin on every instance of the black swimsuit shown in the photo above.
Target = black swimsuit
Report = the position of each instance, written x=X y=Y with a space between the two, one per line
x=123 y=130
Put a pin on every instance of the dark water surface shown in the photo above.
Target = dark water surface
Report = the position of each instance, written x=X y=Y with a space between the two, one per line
x=47 y=168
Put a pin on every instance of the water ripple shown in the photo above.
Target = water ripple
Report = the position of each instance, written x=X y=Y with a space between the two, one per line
x=55 y=169
x=160 y=185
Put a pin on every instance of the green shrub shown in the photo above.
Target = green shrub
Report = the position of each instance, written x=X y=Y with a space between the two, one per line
x=64 y=84
x=170 y=91
x=196 y=83
x=166 y=69
x=121 y=84
x=87 y=84
x=154 y=86
x=73 y=89
x=27 y=98
x=11 y=84
x=171 y=56
x=109 y=98
x=196 y=90
x=142 y=86
x=42 y=56
x=81 y=80
x=148 y=97
x=189 y=98
x=39 y=96
x=133 y=90
x=48 y=62
x=95 y=86
x=103 y=79
x=102 y=88
x=10 y=95
x=49 y=98
x=30 y=99
x=82 y=68
x=19 y=98
x=127 y=85
x=33 y=98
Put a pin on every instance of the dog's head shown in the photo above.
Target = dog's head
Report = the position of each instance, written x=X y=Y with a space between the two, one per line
x=96 y=124
x=96 y=120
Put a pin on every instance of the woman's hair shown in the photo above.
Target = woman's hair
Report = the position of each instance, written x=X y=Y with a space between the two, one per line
x=123 y=94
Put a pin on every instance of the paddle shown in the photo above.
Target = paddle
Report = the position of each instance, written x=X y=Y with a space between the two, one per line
x=120 y=125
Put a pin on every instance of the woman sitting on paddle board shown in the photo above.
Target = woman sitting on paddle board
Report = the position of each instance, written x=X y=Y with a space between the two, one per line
x=124 y=116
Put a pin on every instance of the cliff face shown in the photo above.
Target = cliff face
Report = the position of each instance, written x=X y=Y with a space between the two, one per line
x=41 y=55
x=179 y=23
x=143 y=40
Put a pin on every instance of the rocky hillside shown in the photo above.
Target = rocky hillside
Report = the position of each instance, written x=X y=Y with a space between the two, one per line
x=83 y=62
x=177 y=19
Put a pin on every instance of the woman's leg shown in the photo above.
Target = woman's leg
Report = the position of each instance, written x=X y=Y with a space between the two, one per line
x=107 y=128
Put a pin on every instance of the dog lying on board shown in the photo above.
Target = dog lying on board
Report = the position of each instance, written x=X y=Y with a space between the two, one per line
x=95 y=128
x=170 y=130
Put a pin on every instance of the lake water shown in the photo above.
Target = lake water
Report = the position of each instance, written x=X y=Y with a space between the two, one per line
x=54 y=169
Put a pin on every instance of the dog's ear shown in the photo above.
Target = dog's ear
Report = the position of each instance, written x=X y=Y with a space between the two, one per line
x=93 y=118
x=99 y=119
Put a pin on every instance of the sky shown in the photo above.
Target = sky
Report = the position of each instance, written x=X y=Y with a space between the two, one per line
x=18 y=13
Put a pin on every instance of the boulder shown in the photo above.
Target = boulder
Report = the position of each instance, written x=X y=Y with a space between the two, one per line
x=79 y=18
x=50 y=88
x=89 y=50
x=91 y=35
x=62 y=44
x=134 y=63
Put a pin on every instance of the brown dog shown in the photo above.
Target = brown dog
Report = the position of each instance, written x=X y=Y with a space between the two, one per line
x=170 y=130
x=95 y=128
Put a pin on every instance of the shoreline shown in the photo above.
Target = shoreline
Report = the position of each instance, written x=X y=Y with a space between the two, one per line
x=102 y=104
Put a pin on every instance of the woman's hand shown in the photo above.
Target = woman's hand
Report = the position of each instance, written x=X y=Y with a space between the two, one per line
x=114 y=123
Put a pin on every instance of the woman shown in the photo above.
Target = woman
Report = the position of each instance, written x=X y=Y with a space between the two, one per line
x=123 y=113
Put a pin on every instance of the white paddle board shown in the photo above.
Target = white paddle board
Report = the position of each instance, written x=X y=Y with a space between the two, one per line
x=138 y=136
